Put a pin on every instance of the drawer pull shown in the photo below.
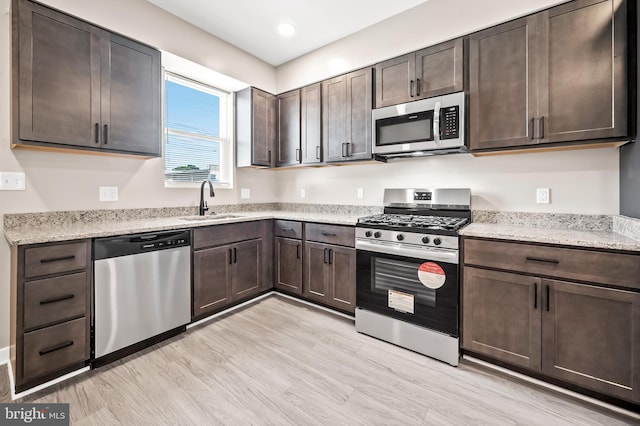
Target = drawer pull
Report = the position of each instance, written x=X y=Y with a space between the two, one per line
x=57 y=299
x=539 y=259
x=328 y=234
x=57 y=259
x=287 y=230
x=56 y=347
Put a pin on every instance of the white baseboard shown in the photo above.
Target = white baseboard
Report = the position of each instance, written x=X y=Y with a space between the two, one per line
x=4 y=355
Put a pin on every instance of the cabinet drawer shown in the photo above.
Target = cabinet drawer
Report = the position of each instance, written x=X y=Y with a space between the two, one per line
x=331 y=234
x=288 y=229
x=54 y=299
x=54 y=348
x=218 y=235
x=55 y=259
x=575 y=264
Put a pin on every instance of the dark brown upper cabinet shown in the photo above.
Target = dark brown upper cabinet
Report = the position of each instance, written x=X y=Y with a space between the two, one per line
x=433 y=71
x=255 y=128
x=288 y=122
x=76 y=85
x=311 y=124
x=558 y=76
x=346 y=116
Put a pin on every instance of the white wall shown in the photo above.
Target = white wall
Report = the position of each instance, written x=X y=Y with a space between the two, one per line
x=63 y=181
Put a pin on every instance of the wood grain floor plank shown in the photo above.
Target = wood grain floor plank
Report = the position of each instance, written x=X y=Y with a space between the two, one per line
x=279 y=362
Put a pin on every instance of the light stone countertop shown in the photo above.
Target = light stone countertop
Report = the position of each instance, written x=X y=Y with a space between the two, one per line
x=81 y=230
x=602 y=239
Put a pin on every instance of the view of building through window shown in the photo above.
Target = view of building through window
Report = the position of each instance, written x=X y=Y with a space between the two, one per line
x=195 y=131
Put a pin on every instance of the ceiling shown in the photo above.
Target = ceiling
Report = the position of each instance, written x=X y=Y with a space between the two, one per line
x=251 y=25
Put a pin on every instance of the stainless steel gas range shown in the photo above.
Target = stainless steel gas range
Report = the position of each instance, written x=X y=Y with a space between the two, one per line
x=407 y=270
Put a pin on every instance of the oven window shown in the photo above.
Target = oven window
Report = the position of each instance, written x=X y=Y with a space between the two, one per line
x=391 y=274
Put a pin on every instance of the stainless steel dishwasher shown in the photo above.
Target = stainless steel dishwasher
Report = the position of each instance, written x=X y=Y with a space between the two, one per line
x=142 y=291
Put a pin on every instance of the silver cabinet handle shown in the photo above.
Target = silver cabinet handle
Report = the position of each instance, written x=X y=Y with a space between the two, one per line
x=436 y=123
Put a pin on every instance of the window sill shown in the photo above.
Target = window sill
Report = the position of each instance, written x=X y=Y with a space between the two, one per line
x=216 y=185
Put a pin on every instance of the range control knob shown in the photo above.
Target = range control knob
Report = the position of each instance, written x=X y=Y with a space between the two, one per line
x=437 y=241
x=377 y=234
x=400 y=237
x=368 y=234
x=425 y=240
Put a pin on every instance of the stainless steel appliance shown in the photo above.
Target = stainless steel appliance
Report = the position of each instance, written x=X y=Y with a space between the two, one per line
x=407 y=276
x=142 y=291
x=425 y=127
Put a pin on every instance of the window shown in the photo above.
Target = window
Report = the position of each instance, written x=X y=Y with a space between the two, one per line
x=196 y=129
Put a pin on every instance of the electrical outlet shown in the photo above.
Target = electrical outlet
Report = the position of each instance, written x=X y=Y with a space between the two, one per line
x=360 y=193
x=542 y=196
x=303 y=193
x=12 y=181
x=245 y=193
x=108 y=193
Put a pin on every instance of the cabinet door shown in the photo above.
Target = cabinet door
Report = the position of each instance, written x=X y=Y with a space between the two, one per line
x=439 y=69
x=342 y=281
x=211 y=278
x=289 y=265
x=501 y=316
x=359 y=98
x=583 y=66
x=395 y=81
x=334 y=118
x=502 y=85
x=130 y=96
x=263 y=106
x=246 y=278
x=56 y=77
x=316 y=272
x=311 y=124
x=288 y=112
x=591 y=337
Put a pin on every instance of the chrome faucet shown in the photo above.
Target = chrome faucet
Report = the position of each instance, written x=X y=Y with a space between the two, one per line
x=203 y=203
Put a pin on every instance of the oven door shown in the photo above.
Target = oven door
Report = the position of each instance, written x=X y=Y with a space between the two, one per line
x=419 y=289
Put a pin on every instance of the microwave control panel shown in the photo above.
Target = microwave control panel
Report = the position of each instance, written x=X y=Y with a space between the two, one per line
x=449 y=117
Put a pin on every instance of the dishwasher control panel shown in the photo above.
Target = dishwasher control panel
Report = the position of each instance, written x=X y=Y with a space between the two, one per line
x=124 y=245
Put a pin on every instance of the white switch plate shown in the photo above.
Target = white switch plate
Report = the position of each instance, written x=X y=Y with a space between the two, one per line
x=303 y=193
x=360 y=193
x=542 y=196
x=12 y=181
x=245 y=193
x=108 y=193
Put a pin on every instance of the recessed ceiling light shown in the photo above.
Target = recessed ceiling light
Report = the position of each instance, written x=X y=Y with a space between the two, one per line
x=286 y=29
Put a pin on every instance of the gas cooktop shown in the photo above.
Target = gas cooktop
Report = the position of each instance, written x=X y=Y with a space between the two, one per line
x=415 y=222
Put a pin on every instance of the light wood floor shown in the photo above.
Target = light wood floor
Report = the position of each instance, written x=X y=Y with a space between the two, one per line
x=281 y=362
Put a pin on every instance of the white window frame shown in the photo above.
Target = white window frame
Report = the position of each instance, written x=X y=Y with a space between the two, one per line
x=227 y=141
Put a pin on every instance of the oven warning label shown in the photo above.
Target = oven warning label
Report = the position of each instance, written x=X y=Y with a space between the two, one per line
x=431 y=275
x=401 y=302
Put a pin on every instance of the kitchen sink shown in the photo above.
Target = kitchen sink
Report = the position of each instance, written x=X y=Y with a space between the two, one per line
x=210 y=217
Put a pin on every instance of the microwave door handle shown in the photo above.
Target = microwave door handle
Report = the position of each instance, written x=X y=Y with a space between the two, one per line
x=436 y=123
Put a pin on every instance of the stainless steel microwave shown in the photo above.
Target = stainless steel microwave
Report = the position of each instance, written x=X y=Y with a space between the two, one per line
x=425 y=127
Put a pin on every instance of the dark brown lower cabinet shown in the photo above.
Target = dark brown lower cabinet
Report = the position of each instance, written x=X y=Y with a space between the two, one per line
x=329 y=275
x=288 y=265
x=578 y=333
x=231 y=263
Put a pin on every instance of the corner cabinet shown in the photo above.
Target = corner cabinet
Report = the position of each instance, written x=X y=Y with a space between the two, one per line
x=78 y=86
x=433 y=71
x=346 y=116
x=330 y=266
x=288 y=128
x=552 y=311
x=558 y=76
x=50 y=310
x=231 y=263
x=255 y=128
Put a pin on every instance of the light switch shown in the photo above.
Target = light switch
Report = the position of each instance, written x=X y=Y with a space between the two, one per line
x=12 y=181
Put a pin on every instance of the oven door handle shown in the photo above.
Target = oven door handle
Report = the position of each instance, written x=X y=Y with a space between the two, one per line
x=438 y=255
